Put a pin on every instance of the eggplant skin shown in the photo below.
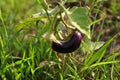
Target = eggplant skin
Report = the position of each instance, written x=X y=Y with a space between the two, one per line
x=70 y=45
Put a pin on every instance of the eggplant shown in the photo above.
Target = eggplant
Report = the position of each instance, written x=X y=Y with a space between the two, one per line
x=69 y=45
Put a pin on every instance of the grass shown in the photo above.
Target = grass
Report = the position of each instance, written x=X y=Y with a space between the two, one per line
x=25 y=54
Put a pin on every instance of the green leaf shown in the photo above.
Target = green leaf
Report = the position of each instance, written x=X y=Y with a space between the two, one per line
x=51 y=12
x=95 y=45
x=79 y=18
x=105 y=63
x=42 y=16
x=17 y=63
x=42 y=3
x=111 y=57
x=89 y=45
x=99 y=54
x=61 y=76
x=27 y=22
x=99 y=64
x=74 y=71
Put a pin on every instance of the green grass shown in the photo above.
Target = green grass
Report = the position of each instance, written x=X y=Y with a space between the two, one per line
x=25 y=54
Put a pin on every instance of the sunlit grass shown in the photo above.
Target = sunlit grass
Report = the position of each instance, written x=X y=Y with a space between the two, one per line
x=25 y=54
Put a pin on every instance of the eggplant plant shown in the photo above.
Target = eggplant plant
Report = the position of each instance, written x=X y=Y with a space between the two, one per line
x=76 y=19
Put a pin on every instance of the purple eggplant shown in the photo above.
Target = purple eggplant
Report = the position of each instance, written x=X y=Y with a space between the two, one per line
x=70 y=45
